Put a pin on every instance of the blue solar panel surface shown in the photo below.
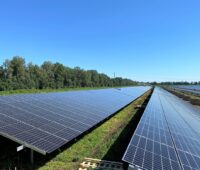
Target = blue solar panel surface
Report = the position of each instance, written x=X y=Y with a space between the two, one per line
x=190 y=87
x=45 y=122
x=195 y=89
x=167 y=136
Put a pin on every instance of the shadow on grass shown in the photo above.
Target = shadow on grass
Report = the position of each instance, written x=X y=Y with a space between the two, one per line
x=10 y=159
x=118 y=149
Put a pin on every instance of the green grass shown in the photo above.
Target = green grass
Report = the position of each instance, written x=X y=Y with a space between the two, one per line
x=27 y=91
x=95 y=144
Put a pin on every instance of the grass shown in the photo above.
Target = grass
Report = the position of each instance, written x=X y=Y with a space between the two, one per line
x=97 y=143
x=27 y=91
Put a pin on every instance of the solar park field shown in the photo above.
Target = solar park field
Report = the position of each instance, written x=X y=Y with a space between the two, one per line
x=167 y=136
x=64 y=127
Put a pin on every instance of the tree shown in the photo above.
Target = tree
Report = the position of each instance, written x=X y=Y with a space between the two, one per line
x=17 y=65
x=48 y=74
x=59 y=75
x=15 y=74
x=94 y=78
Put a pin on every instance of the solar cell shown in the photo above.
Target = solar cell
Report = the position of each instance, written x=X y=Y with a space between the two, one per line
x=169 y=129
x=45 y=122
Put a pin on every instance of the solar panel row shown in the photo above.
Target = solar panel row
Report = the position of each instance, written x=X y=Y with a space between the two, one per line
x=45 y=122
x=190 y=89
x=185 y=130
x=167 y=135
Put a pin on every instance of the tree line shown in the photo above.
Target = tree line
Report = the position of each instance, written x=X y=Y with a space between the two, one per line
x=16 y=74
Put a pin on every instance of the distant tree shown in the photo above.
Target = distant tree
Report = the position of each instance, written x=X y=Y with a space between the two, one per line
x=15 y=74
x=17 y=65
x=68 y=77
x=94 y=78
x=48 y=74
x=1 y=73
x=104 y=80
x=59 y=75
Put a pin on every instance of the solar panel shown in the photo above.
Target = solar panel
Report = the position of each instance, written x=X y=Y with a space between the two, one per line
x=195 y=89
x=185 y=130
x=167 y=136
x=45 y=122
x=189 y=87
x=153 y=148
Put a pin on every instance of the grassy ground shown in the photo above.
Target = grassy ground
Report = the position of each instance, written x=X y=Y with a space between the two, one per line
x=25 y=91
x=98 y=143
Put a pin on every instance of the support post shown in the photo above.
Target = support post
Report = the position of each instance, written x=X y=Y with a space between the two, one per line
x=32 y=156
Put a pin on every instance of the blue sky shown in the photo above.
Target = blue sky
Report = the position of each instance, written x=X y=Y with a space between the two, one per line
x=139 y=39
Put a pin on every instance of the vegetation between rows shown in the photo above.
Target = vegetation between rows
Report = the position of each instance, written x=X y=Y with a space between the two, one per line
x=98 y=143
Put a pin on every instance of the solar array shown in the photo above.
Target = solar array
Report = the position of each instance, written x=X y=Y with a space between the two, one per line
x=190 y=87
x=167 y=136
x=45 y=122
x=195 y=89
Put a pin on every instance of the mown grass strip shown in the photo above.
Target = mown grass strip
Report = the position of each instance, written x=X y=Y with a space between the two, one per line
x=97 y=143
